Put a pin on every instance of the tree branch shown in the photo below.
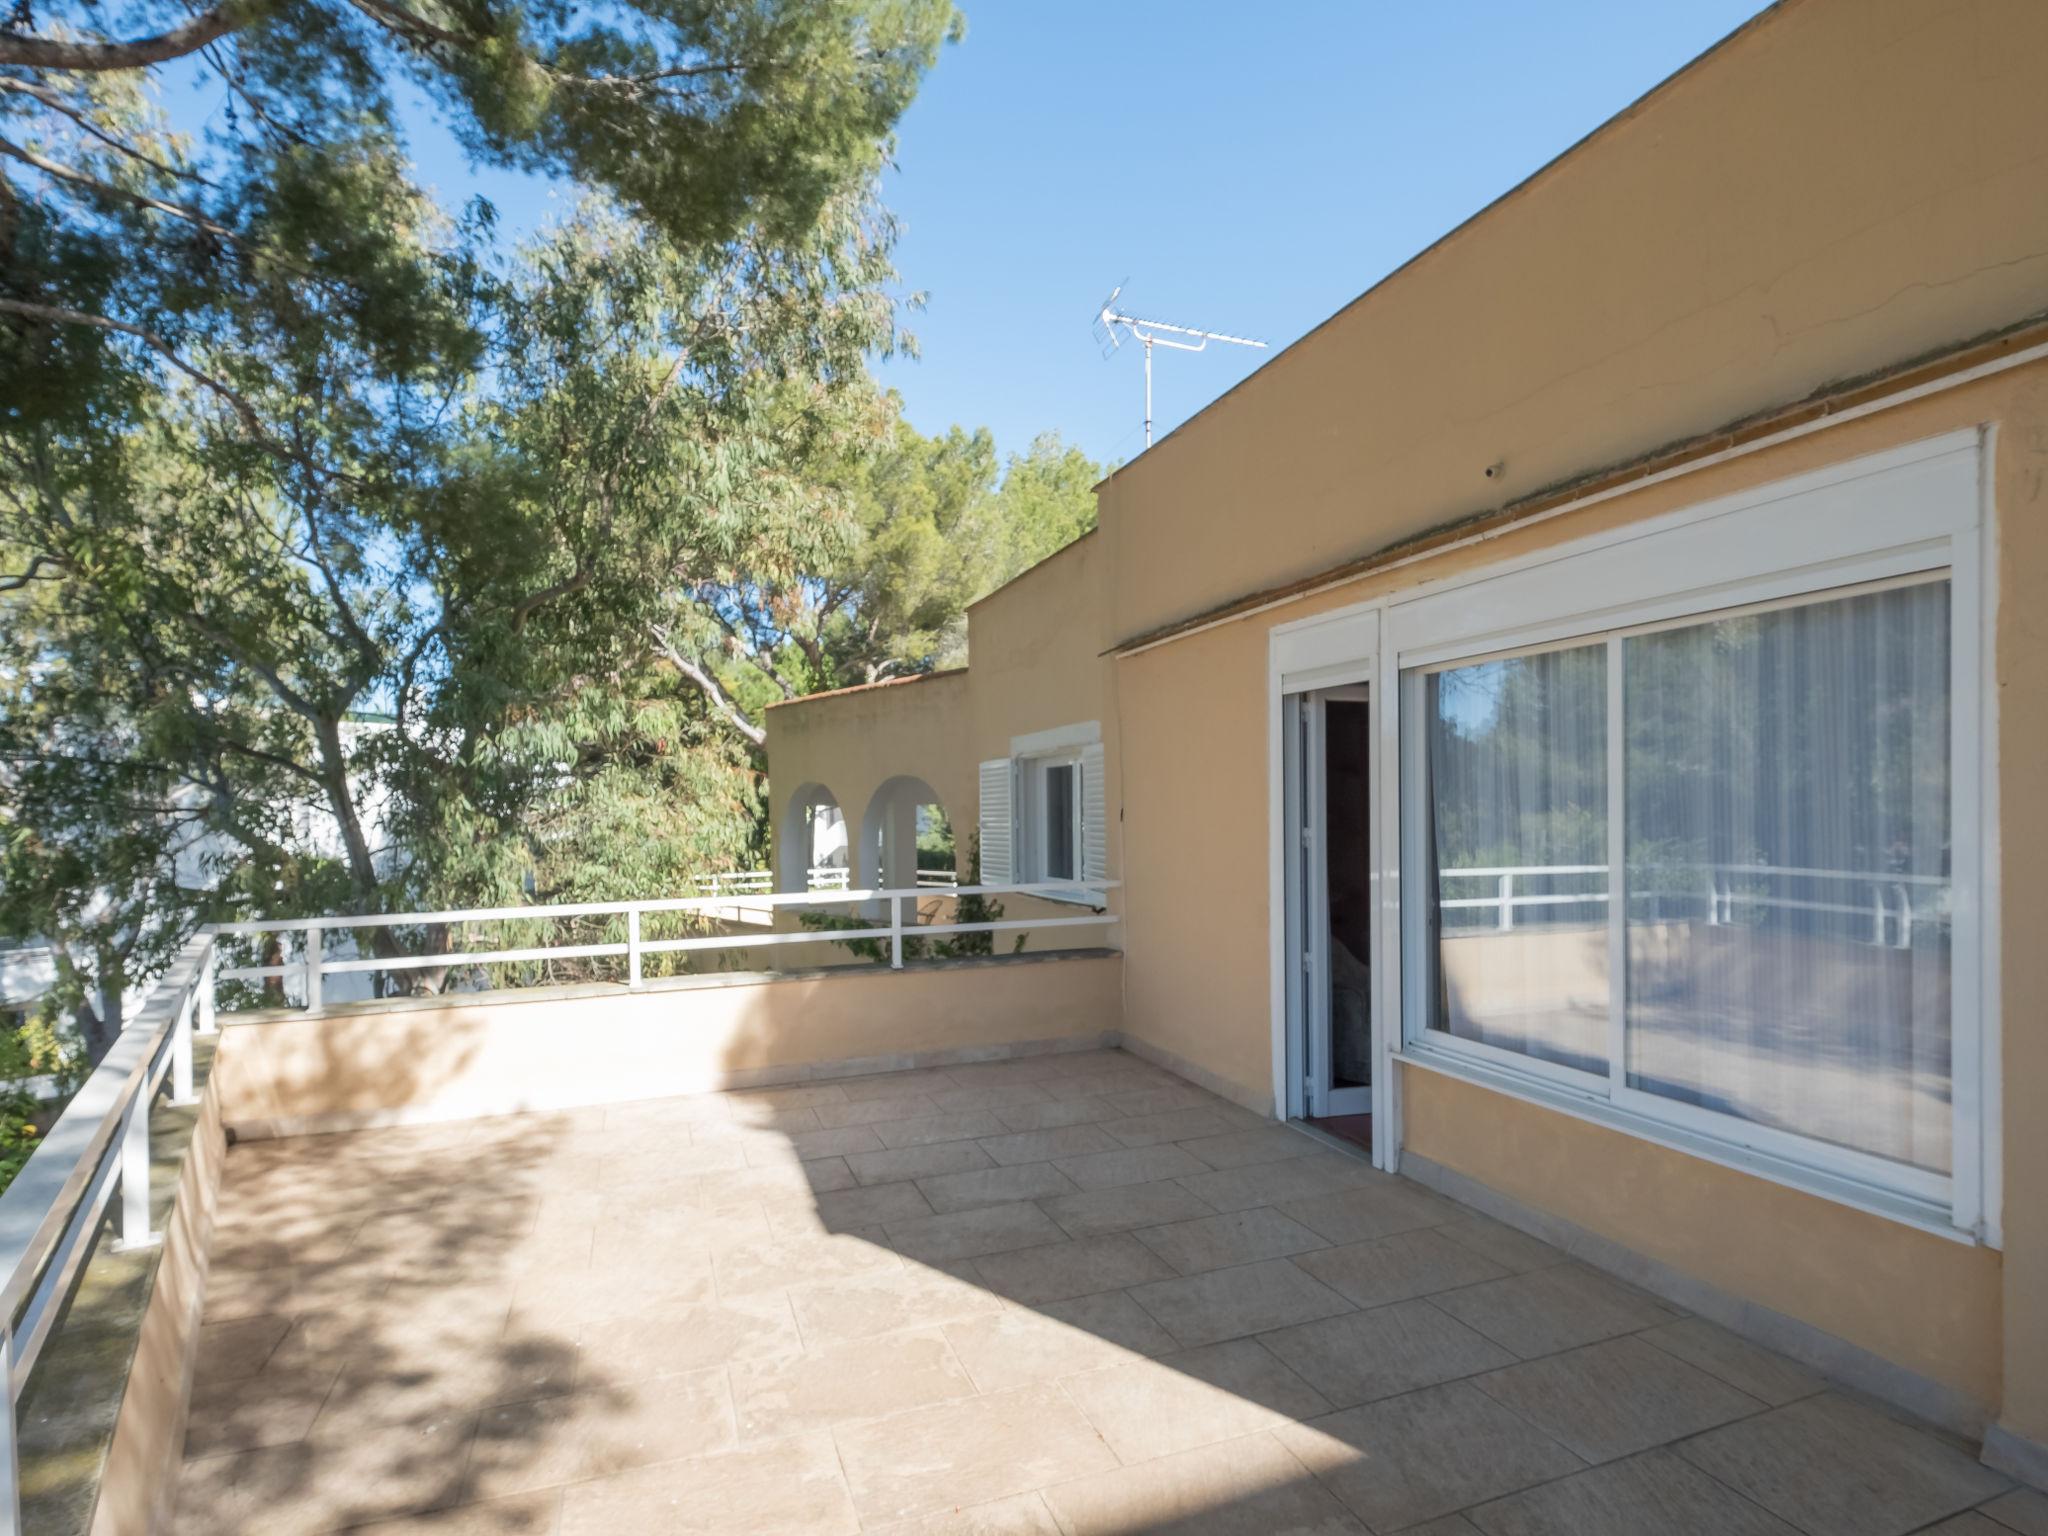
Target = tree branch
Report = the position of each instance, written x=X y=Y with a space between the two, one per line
x=135 y=53
x=708 y=686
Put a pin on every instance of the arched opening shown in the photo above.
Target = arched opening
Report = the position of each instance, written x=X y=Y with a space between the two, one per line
x=811 y=848
x=906 y=838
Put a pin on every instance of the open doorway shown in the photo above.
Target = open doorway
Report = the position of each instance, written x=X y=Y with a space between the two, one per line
x=1330 y=898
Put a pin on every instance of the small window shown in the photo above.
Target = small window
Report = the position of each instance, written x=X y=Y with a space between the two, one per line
x=1061 y=825
x=1053 y=834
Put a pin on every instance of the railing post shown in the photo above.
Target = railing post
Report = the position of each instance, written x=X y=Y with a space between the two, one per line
x=896 y=932
x=135 y=1231
x=10 y=1456
x=208 y=970
x=633 y=947
x=181 y=1053
x=1507 y=902
x=312 y=948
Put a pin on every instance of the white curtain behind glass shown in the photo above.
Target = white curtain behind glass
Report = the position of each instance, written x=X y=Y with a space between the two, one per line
x=1517 y=758
x=1787 y=804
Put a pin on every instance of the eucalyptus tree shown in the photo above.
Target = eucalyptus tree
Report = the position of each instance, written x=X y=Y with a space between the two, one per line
x=285 y=443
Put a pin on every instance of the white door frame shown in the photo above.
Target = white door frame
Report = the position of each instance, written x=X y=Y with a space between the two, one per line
x=1328 y=651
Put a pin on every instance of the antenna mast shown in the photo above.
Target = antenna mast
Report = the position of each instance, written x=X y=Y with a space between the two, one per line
x=1110 y=322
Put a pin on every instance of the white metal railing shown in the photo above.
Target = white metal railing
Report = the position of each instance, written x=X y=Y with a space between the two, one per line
x=1890 y=906
x=314 y=966
x=761 y=882
x=100 y=1144
x=938 y=879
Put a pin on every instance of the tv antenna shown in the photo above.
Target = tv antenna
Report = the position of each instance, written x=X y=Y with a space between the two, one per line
x=1111 y=323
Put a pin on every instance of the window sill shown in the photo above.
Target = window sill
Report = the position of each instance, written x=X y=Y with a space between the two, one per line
x=1924 y=1215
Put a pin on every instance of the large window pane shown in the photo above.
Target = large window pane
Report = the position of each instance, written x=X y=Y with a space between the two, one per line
x=1787 y=802
x=1517 y=802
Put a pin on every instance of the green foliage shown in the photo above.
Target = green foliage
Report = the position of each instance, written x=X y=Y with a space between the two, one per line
x=932 y=524
x=320 y=515
x=966 y=909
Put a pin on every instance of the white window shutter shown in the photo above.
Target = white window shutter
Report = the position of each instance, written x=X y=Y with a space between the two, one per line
x=998 y=822
x=1094 y=814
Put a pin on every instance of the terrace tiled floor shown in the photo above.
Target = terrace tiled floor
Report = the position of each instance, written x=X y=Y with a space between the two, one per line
x=1064 y=1296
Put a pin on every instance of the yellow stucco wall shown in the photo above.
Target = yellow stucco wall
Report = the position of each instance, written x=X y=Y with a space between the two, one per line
x=1842 y=185
x=1194 y=731
x=1844 y=188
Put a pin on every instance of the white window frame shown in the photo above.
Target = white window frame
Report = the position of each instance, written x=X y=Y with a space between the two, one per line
x=1038 y=818
x=1064 y=746
x=1896 y=515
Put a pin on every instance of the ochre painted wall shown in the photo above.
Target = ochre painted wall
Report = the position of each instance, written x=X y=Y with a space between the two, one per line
x=368 y=1063
x=1918 y=1300
x=1194 y=732
x=1843 y=185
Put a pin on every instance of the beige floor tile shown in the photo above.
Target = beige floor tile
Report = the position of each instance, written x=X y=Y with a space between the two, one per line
x=1450 y=1525
x=1042 y=1146
x=1387 y=1269
x=1511 y=1250
x=794 y=1096
x=1612 y=1399
x=993 y=1096
x=250 y=1412
x=1074 y=1267
x=930 y=1130
x=968 y=1452
x=1152 y=1128
x=1429 y=1453
x=1239 y=1237
x=229 y=1351
x=1654 y=1492
x=1969 y=1523
x=851 y=1210
x=1297 y=1179
x=1121 y=1209
x=783 y=1488
x=771 y=1264
x=1546 y=1310
x=1133 y=1165
x=994 y=1186
x=1113 y=1317
x=1360 y=1357
x=865 y=1379
x=1833 y=1467
x=659 y=1165
x=590 y=1434
x=835 y=1141
x=1250 y=1487
x=1084 y=1109
x=908 y=1106
x=1013 y=1348
x=1228 y=1303
x=1378 y=1208
x=527 y=1514
x=1151 y=1408
x=308 y=1486
x=681 y=1339
x=1241 y=1149
x=291 y=1289
x=1024 y=1515
x=2023 y=1510
x=986 y=1074
x=897 y=1164
x=971 y=1234
x=891 y=1085
x=1746 y=1367
x=886 y=1301
x=1162 y=1098
x=739 y=1189
x=563 y=1300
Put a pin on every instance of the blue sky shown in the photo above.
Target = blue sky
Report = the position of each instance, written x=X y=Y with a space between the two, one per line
x=1249 y=168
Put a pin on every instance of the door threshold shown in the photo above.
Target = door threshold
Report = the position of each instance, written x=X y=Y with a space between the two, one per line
x=1351 y=1134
